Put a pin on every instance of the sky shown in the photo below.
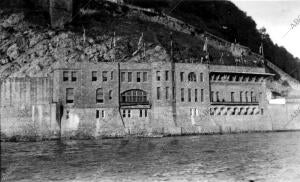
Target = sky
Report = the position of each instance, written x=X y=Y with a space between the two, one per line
x=277 y=17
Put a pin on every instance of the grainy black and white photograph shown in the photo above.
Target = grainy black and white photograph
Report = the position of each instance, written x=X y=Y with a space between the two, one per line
x=150 y=90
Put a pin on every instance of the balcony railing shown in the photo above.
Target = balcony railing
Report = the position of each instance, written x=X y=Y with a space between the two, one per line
x=135 y=103
x=234 y=103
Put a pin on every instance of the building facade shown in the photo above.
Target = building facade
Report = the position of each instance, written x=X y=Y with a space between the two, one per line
x=117 y=99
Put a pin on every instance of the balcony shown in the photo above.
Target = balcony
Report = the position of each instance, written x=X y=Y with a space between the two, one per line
x=235 y=103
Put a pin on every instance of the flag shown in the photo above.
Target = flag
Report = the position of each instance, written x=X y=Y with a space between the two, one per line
x=205 y=45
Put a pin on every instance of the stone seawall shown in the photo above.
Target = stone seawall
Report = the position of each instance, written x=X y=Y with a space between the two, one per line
x=27 y=109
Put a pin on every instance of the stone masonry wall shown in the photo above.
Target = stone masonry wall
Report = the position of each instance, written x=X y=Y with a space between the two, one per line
x=27 y=108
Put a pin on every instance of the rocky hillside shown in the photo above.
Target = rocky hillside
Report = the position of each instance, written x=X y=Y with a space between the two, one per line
x=106 y=33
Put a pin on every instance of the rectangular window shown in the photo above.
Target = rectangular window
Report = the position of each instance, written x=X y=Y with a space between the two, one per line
x=129 y=113
x=65 y=76
x=167 y=75
x=70 y=95
x=232 y=96
x=129 y=76
x=262 y=111
x=145 y=76
x=251 y=97
x=246 y=96
x=111 y=75
x=157 y=75
x=158 y=93
x=138 y=77
x=241 y=96
x=94 y=76
x=110 y=94
x=97 y=114
x=141 y=113
x=122 y=76
x=181 y=76
x=201 y=77
x=104 y=76
x=182 y=94
x=103 y=114
x=67 y=114
x=189 y=95
x=74 y=76
x=146 y=113
x=211 y=96
x=99 y=95
x=202 y=95
x=124 y=113
x=167 y=93
x=196 y=95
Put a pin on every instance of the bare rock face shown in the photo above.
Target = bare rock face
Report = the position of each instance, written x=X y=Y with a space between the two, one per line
x=13 y=52
x=14 y=19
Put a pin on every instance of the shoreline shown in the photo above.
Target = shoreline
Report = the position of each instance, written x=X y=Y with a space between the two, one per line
x=18 y=138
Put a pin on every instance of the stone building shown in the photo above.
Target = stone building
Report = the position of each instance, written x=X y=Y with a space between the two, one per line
x=116 y=99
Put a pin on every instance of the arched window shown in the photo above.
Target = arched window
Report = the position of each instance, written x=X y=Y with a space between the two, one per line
x=192 y=77
x=134 y=96
x=99 y=95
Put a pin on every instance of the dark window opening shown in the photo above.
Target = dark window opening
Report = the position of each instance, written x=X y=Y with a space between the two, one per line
x=74 y=76
x=158 y=93
x=158 y=75
x=99 y=95
x=218 y=96
x=167 y=75
x=111 y=75
x=138 y=77
x=65 y=76
x=141 y=113
x=182 y=94
x=134 y=96
x=94 y=76
x=70 y=95
x=189 y=95
x=104 y=76
x=67 y=114
x=124 y=113
x=196 y=95
x=181 y=76
x=202 y=95
x=192 y=77
x=102 y=114
x=129 y=113
x=110 y=94
x=201 y=77
x=97 y=114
